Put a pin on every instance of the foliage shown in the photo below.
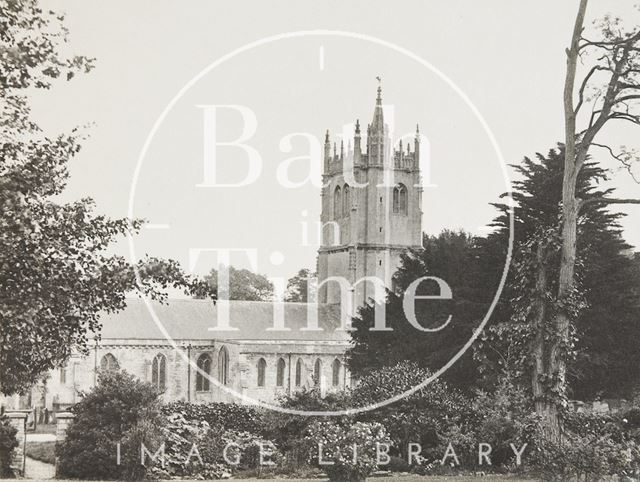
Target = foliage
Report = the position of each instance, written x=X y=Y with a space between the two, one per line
x=55 y=274
x=298 y=287
x=605 y=301
x=180 y=436
x=591 y=458
x=288 y=431
x=120 y=409
x=196 y=449
x=458 y=259
x=419 y=417
x=223 y=416
x=243 y=285
x=8 y=443
x=337 y=445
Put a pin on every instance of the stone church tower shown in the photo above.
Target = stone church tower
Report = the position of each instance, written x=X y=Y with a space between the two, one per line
x=371 y=211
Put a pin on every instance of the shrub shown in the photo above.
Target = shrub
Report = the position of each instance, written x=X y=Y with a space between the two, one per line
x=288 y=431
x=181 y=460
x=419 y=417
x=8 y=443
x=120 y=409
x=589 y=458
x=337 y=445
x=398 y=464
x=226 y=416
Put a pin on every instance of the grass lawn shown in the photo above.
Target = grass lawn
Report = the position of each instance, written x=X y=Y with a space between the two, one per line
x=42 y=451
x=414 y=478
x=407 y=478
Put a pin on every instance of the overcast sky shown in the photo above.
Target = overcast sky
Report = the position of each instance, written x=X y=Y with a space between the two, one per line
x=505 y=56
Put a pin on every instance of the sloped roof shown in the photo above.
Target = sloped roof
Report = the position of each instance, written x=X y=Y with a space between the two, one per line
x=192 y=319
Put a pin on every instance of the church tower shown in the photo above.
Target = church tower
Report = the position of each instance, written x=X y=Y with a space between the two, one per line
x=371 y=210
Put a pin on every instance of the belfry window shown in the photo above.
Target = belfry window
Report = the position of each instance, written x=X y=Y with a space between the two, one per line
x=203 y=373
x=337 y=203
x=346 y=200
x=400 y=199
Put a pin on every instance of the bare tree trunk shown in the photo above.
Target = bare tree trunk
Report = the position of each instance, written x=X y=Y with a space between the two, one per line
x=557 y=365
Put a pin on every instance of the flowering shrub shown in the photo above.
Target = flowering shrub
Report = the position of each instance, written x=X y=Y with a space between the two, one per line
x=227 y=416
x=288 y=431
x=590 y=458
x=346 y=454
x=182 y=459
x=246 y=450
x=419 y=417
x=194 y=449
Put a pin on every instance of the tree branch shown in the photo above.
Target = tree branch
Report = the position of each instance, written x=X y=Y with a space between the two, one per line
x=607 y=200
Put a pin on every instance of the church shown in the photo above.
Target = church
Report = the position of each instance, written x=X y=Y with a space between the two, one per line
x=367 y=222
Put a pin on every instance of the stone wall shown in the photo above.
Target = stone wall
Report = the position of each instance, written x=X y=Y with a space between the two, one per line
x=18 y=420
x=136 y=357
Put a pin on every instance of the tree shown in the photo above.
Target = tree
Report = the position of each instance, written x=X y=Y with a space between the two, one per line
x=457 y=258
x=604 y=348
x=55 y=276
x=617 y=64
x=243 y=285
x=298 y=286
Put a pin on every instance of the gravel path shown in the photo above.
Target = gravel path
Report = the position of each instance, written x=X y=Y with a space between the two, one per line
x=39 y=470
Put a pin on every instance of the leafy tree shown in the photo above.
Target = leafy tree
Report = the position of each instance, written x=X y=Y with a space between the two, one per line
x=55 y=276
x=120 y=409
x=298 y=286
x=243 y=285
x=457 y=258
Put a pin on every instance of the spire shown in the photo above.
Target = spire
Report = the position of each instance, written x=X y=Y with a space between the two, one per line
x=327 y=153
x=357 y=151
x=377 y=125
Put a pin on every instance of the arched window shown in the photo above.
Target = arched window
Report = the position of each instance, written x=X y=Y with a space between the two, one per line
x=262 y=368
x=335 y=372
x=280 y=373
x=63 y=375
x=400 y=199
x=109 y=363
x=203 y=373
x=317 y=372
x=223 y=366
x=159 y=371
x=337 y=203
x=346 y=200
x=299 y=372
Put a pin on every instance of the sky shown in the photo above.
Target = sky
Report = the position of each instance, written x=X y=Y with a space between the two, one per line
x=482 y=79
